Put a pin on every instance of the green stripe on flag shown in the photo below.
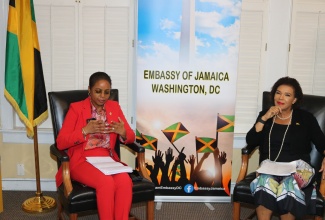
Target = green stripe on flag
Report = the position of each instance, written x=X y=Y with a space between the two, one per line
x=175 y=132
x=23 y=71
x=225 y=123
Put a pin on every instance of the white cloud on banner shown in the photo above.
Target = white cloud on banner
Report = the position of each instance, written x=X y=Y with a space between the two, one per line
x=161 y=55
x=207 y=23
x=229 y=7
x=167 y=24
x=216 y=36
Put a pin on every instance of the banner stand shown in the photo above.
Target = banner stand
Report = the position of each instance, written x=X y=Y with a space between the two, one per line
x=187 y=55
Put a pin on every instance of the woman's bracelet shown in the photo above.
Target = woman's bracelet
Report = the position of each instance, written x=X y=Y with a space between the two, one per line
x=261 y=120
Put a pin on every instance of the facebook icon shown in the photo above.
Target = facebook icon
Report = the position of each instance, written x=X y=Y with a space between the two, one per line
x=188 y=188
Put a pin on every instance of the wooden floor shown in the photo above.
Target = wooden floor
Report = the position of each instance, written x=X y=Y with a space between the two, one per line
x=13 y=200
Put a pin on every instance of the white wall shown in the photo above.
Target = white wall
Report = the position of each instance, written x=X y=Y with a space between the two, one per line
x=278 y=41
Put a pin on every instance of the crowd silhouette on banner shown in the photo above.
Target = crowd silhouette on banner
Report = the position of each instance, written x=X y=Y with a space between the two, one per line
x=178 y=175
x=198 y=176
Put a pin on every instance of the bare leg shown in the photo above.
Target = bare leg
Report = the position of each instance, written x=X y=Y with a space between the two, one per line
x=287 y=216
x=263 y=213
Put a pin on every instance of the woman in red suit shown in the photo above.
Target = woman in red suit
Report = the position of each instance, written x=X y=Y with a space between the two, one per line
x=91 y=128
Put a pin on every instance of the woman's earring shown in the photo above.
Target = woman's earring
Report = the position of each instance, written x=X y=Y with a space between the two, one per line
x=88 y=93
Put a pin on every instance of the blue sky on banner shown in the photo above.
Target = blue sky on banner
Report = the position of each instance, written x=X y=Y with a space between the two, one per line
x=216 y=29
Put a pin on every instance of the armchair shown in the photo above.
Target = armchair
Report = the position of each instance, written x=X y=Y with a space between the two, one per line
x=74 y=197
x=242 y=194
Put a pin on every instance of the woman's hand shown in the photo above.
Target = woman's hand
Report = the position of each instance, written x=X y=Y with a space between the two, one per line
x=99 y=126
x=274 y=110
x=118 y=128
x=96 y=126
x=322 y=169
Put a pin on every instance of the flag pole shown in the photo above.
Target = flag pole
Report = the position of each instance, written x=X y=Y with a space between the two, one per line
x=38 y=203
x=174 y=146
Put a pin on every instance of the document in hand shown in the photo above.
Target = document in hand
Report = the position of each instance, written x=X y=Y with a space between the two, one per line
x=108 y=166
x=277 y=168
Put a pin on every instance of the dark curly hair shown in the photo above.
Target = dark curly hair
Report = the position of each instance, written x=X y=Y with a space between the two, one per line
x=289 y=82
x=95 y=77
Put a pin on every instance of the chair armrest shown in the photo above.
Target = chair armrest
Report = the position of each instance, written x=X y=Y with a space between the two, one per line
x=136 y=147
x=64 y=159
x=245 y=155
x=59 y=154
x=140 y=150
x=248 y=150
x=66 y=178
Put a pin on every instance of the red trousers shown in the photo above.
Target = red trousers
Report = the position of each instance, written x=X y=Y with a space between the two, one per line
x=114 y=192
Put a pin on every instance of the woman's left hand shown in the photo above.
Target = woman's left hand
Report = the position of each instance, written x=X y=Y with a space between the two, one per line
x=322 y=169
x=118 y=128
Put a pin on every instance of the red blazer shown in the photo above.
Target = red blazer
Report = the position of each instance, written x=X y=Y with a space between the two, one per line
x=71 y=138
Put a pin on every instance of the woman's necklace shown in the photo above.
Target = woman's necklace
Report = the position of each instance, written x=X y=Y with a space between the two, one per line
x=284 y=118
x=285 y=133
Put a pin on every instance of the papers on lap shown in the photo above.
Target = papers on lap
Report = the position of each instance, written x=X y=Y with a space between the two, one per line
x=277 y=168
x=108 y=166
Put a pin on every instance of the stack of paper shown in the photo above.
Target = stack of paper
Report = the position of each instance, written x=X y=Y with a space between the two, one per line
x=277 y=168
x=108 y=166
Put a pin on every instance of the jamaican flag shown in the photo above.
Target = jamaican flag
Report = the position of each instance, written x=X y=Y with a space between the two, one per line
x=205 y=144
x=149 y=142
x=225 y=123
x=175 y=132
x=138 y=136
x=23 y=66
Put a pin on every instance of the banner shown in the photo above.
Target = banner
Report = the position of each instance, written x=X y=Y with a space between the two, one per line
x=187 y=54
x=24 y=80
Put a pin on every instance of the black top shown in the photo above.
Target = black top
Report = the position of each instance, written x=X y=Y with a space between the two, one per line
x=303 y=131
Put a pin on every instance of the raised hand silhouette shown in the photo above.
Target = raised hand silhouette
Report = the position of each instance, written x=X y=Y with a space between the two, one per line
x=169 y=155
x=157 y=159
x=183 y=178
x=174 y=171
x=197 y=173
x=191 y=161
x=169 y=158
x=158 y=164
x=219 y=160
x=223 y=157
x=180 y=160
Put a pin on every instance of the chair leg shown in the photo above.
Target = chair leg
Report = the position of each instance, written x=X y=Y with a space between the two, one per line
x=236 y=211
x=73 y=216
x=150 y=210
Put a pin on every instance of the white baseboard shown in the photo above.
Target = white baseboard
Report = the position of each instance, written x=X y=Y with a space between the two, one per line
x=28 y=185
